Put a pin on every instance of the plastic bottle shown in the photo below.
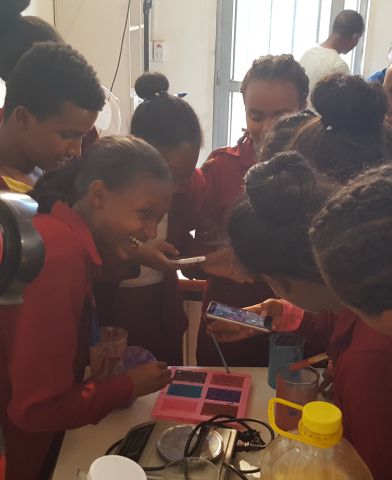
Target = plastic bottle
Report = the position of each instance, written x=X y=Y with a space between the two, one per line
x=316 y=452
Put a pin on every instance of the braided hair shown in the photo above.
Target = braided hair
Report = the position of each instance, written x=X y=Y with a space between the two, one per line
x=277 y=67
x=352 y=239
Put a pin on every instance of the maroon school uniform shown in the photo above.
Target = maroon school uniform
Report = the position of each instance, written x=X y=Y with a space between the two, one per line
x=44 y=349
x=363 y=389
x=224 y=183
x=154 y=315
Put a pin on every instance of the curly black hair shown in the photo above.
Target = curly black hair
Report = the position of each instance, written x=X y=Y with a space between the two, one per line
x=269 y=226
x=48 y=75
x=352 y=239
x=350 y=134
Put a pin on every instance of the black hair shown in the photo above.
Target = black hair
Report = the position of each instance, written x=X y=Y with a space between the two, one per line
x=352 y=238
x=277 y=67
x=282 y=132
x=48 y=75
x=162 y=119
x=350 y=134
x=117 y=161
x=269 y=227
x=348 y=23
x=22 y=33
x=10 y=11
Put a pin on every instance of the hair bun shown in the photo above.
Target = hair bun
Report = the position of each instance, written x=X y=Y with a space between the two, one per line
x=281 y=189
x=150 y=83
x=349 y=103
x=10 y=11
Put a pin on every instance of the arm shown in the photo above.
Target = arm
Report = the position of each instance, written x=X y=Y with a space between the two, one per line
x=363 y=391
x=341 y=67
x=42 y=339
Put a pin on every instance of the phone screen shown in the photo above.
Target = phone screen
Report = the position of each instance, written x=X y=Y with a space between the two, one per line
x=239 y=315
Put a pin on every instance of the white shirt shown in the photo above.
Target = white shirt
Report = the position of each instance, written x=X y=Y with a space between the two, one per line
x=319 y=62
x=148 y=276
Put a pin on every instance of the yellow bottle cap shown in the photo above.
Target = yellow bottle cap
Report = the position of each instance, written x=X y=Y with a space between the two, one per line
x=322 y=418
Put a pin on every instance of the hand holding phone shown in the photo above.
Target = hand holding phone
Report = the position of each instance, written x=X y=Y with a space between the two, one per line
x=239 y=316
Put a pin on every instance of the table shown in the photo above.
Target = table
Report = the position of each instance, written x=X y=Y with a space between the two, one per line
x=82 y=446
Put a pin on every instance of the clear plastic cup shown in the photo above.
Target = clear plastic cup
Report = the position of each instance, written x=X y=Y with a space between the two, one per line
x=191 y=468
x=284 y=348
x=299 y=387
x=113 y=345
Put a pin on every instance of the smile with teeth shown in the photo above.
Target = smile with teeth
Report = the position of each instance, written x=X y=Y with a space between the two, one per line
x=135 y=242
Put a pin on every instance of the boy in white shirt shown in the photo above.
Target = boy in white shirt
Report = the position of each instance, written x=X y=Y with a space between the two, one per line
x=324 y=59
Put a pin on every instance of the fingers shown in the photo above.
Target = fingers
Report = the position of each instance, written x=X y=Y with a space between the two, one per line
x=216 y=326
x=168 y=247
x=162 y=364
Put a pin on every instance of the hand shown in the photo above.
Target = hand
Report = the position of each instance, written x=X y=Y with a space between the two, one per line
x=232 y=332
x=223 y=263
x=149 y=378
x=108 y=364
x=210 y=159
x=151 y=255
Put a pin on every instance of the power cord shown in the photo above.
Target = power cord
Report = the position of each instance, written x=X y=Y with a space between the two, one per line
x=249 y=440
x=122 y=45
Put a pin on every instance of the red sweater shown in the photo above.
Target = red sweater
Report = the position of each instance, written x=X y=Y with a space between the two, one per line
x=362 y=380
x=44 y=349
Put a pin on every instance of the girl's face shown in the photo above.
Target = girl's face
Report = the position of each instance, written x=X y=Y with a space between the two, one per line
x=181 y=161
x=267 y=100
x=121 y=220
x=311 y=297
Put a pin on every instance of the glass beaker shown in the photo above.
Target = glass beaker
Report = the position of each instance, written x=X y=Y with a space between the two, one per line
x=113 y=345
x=299 y=387
x=284 y=348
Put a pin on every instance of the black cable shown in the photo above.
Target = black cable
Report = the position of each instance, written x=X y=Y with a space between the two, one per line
x=234 y=470
x=248 y=472
x=122 y=44
x=113 y=447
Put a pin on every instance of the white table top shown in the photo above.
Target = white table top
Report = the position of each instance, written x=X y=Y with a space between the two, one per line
x=82 y=446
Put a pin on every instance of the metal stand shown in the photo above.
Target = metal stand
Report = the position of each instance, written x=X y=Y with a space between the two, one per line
x=147 y=5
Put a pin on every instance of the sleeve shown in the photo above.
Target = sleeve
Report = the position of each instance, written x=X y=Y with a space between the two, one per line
x=340 y=67
x=363 y=391
x=42 y=339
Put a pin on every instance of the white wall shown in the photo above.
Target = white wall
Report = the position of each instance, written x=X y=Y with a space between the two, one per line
x=95 y=28
x=41 y=8
x=379 y=36
x=188 y=28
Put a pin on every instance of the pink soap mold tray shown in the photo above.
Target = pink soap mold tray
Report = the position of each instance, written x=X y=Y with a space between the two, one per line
x=197 y=395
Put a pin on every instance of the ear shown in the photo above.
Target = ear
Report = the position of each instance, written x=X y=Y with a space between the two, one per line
x=98 y=193
x=23 y=117
x=355 y=38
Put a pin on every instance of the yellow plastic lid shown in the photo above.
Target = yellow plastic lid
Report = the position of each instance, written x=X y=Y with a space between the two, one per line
x=322 y=418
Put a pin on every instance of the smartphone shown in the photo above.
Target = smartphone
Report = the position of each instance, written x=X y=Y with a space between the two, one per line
x=186 y=260
x=218 y=311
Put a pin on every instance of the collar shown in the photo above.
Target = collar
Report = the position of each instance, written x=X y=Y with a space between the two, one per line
x=76 y=223
x=245 y=153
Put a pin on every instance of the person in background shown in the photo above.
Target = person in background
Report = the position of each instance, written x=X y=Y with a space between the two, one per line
x=150 y=307
x=17 y=35
x=269 y=232
x=113 y=198
x=52 y=101
x=324 y=59
x=388 y=90
x=273 y=86
x=379 y=77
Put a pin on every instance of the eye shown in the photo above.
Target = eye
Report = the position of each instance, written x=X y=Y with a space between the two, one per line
x=146 y=214
x=256 y=117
